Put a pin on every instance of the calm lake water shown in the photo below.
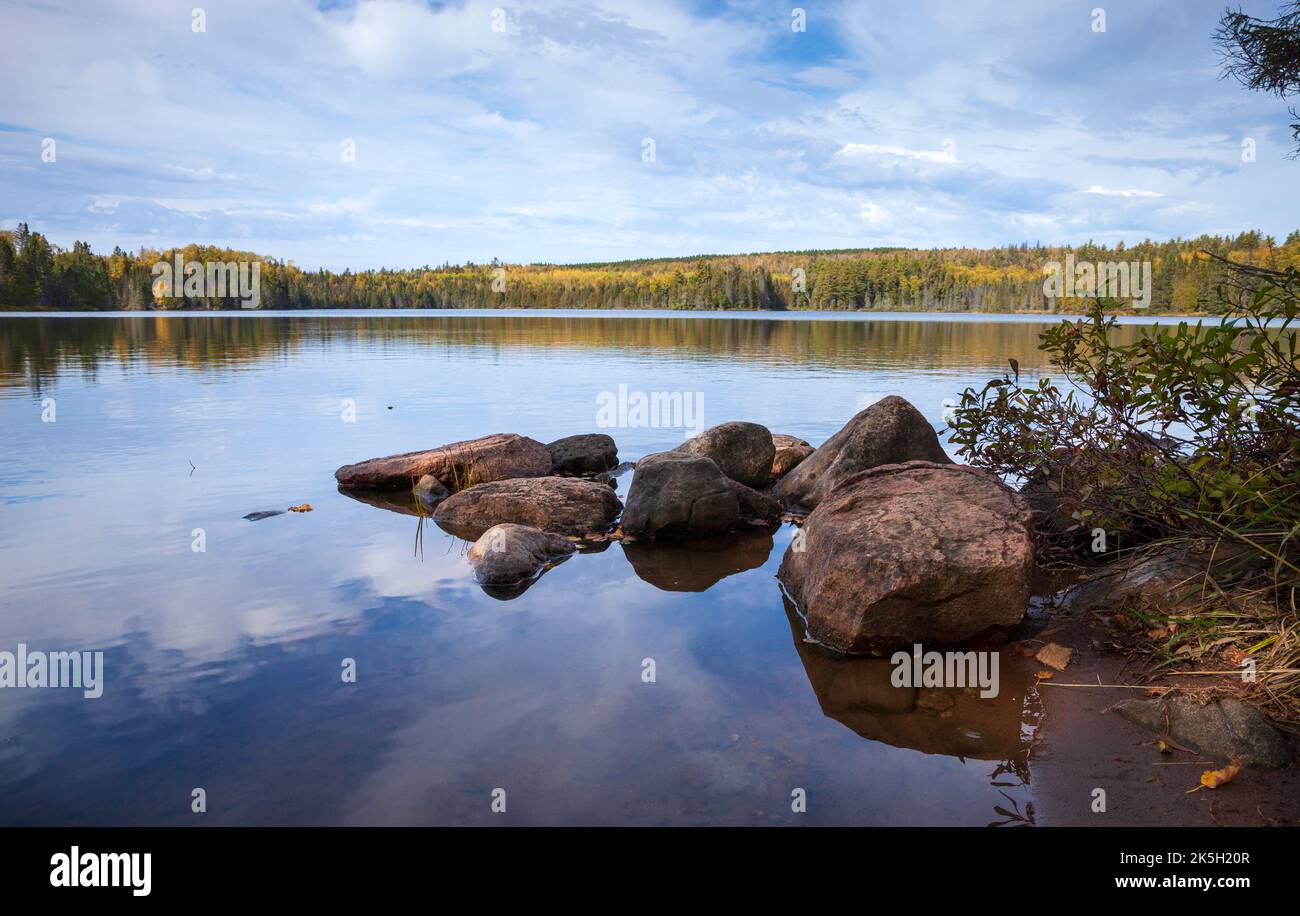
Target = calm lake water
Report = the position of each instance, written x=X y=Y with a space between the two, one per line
x=223 y=667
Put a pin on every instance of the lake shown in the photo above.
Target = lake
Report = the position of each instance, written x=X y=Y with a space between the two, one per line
x=132 y=441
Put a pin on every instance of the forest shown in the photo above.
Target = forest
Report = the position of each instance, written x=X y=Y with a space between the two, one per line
x=36 y=275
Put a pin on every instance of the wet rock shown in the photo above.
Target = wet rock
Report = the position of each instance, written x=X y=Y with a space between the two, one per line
x=509 y=554
x=742 y=451
x=500 y=456
x=790 y=452
x=586 y=454
x=756 y=507
x=1164 y=576
x=678 y=495
x=1222 y=728
x=913 y=552
x=430 y=491
x=891 y=431
x=560 y=505
x=265 y=513
x=700 y=563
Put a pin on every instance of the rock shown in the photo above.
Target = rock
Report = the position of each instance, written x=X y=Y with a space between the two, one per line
x=265 y=513
x=700 y=563
x=430 y=491
x=500 y=456
x=1222 y=728
x=509 y=554
x=891 y=431
x=913 y=552
x=589 y=453
x=1163 y=576
x=755 y=506
x=674 y=495
x=790 y=451
x=560 y=505
x=742 y=451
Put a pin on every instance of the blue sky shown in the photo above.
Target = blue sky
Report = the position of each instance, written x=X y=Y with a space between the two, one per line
x=903 y=122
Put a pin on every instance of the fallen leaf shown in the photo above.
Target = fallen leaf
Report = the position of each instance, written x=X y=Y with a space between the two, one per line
x=1164 y=748
x=1158 y=633
x=305 y=507
x=1044 y=675
x=1212 y=779
x=1054 y=656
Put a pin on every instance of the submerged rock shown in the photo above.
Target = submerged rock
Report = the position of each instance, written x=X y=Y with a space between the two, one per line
x=1222 y=728
x=589 y=453
x=265 y=513
x=891 y=431
x=457 y=466
x=560 y=505
x=742 y=451
x=790 y=453
x=913 y=552
x=509 y=554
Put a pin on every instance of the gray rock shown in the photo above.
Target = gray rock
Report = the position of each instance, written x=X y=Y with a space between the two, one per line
x=756 y=507
x=265 y=513
x=510 y=554
x=676 y=495
x=430 y=491
x=1222 y=728
x=891 y=431
x=742 y=451
x=1163 y=576
x=585 y=454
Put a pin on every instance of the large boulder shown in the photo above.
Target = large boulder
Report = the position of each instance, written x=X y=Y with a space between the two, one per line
x=676 y=495
x=585 y=454
x=891 y=431
x=511 y=554
x=790 y=452
x=560 y=505
x=1222 y=727
x=500 y=456
x=914 y=552
x=742 y=451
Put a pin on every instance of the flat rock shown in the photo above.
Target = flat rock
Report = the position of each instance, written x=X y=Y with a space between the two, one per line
x=585 y=454
x=742 y=451
x=560 y=505
x=1222 y=728
x=891 y=431
x=790 y=452
x=913 y=552
x=1161 y=576
x=500 y=456
x=510 y=554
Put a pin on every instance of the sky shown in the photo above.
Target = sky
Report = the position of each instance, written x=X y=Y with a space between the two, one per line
x=400 y=133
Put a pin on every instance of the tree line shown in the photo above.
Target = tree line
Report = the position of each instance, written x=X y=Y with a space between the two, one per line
x=36 y=275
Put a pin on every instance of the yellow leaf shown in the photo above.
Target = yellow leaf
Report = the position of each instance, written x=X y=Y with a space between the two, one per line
x=1054 y=656
x=305 y=507
x=1212 y=779
x=1164 y=748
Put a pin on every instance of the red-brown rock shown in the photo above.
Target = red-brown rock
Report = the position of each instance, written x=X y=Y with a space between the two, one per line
x=500 y=456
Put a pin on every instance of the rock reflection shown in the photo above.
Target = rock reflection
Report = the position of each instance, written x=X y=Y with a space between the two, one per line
x=698 y=564
x=954 y=722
